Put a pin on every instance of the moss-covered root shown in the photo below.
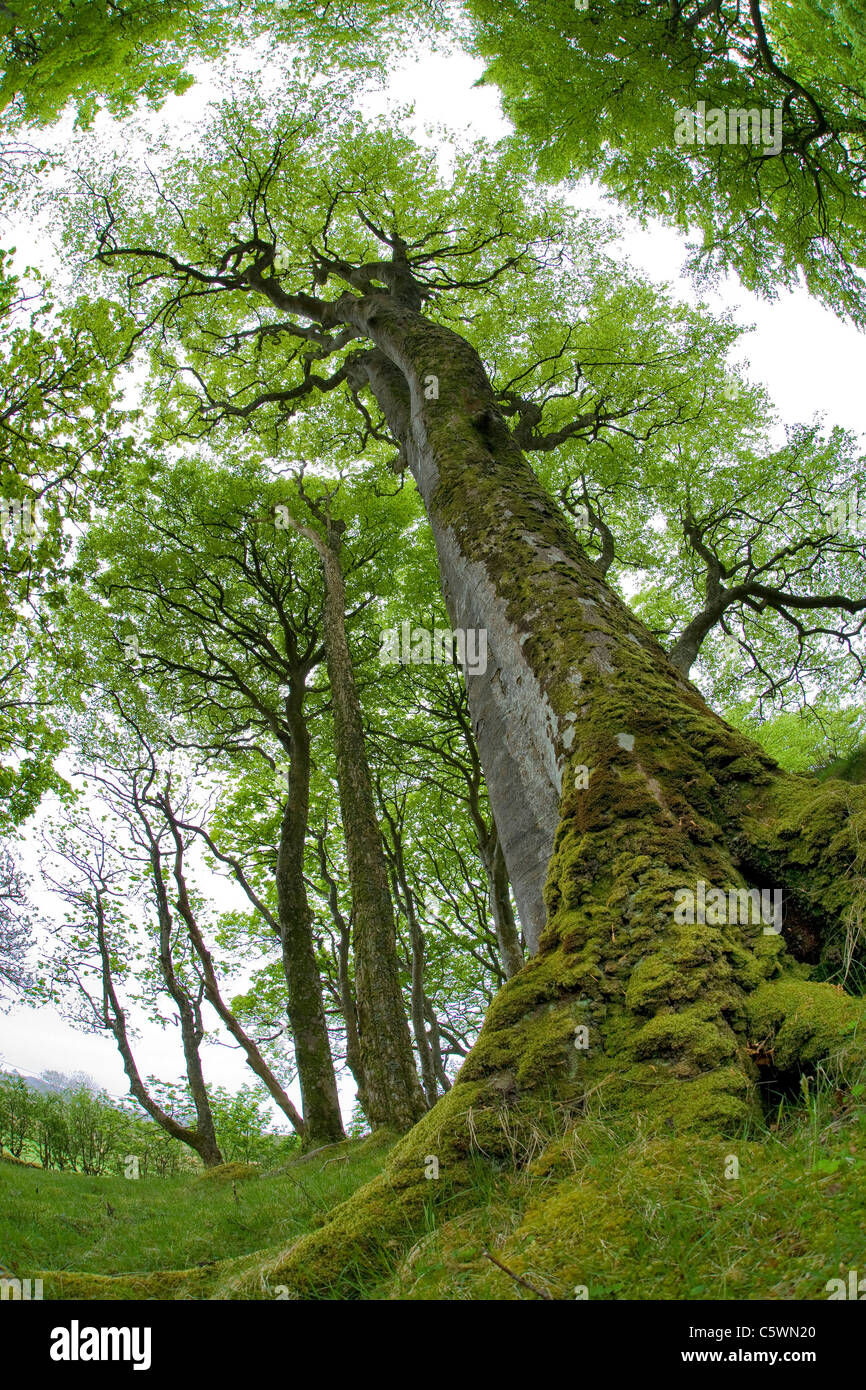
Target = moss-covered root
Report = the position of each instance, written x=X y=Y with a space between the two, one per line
x=796 y=1024
x=811 y=838
x=365 y=1235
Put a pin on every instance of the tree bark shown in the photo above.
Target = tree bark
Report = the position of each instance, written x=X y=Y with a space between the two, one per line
x=507 y=935
x=321 y=1106
x=255 y=1060
x=574 y=681
x=348 y=1006
x=493 y=861
x=202 y=1139
x=392 y=1092
x=674 y=1022
x=403 y=894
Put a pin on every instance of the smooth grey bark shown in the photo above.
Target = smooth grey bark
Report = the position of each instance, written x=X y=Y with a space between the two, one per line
x=518 y=734
x=491 y=856
x=508 y=561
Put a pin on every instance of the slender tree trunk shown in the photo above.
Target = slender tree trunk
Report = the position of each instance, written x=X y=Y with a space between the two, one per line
x=321 y=1106
x=202 y=1139
x=419 y=998
x=255 y=1060
x=348 y=1007
x=441 y=1074
x=191 y=1027
x=392 y=1091
x=188 y=1008
x=314 y=1062
x=405 y=900
x=499 y=888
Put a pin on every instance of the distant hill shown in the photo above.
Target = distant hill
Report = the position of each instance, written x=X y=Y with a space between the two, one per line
x=56 y=1082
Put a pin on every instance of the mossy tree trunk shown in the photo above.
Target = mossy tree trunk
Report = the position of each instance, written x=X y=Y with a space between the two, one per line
x=574 y=681
x=323 y=1122
x=392 y=1096
x=614 y=786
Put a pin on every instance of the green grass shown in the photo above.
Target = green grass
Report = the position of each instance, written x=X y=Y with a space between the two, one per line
x=631 y=1216
x=598 y=1202
x=56 y=1222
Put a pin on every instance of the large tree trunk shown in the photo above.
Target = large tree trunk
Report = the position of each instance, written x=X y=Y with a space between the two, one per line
x=392 y=1094
x=320 y=1102
x=674 y=1021
x=509 y=564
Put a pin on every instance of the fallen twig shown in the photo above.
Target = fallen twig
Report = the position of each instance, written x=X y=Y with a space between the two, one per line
x=518 y=1278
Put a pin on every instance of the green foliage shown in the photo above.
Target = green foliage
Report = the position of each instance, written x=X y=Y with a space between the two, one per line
x=84 y=1131
x=595 y=92
x=81 y=50
x=185 y=609
x=814 y=737
x=242 y=1120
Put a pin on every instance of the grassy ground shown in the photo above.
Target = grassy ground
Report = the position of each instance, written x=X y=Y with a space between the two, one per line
x=596 y=1209
x=606 y=1212
x=130 y=1232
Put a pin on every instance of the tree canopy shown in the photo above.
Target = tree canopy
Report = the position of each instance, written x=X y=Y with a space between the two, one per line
x=433 y=667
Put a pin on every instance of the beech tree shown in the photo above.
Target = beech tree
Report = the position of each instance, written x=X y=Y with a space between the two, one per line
x=596 y=92
x=391 y=1092
x=205 y=591
x=760 y=552
x=93 y=53
x=308 y=282
x=612 y=782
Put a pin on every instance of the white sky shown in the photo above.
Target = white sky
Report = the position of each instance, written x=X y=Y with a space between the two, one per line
x=809 y=361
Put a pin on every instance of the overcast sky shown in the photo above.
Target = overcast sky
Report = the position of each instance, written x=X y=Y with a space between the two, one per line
x=810 y=362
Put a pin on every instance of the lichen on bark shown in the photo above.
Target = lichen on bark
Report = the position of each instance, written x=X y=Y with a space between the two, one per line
x=680 y=1020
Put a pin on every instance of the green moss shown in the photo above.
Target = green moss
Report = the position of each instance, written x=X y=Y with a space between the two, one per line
x=798 y=1023
x=230 y=1172
x=695 y=1042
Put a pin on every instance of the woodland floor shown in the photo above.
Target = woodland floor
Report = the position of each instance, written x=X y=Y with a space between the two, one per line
x=599 y=1207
